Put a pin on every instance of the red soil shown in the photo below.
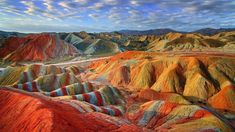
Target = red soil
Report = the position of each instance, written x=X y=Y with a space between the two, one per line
x=35 y=113
x=10 y=45
x=149 y=94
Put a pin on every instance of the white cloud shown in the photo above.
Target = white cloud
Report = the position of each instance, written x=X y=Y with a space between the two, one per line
x=97 y=6
x=48 y=4
x=94 y=16
x=82 y=2
x=31 y=8
x=64 y=4
x=111 y=2
x=190 y=9
x=134 y=3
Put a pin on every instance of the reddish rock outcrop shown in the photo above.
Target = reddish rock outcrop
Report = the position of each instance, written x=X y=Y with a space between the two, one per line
x=30 y=112
x=36 y=47
x=224 y=99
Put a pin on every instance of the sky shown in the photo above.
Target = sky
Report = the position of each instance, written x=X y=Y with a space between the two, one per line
x=114 y=15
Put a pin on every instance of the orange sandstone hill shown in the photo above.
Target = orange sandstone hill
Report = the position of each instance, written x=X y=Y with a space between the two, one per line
x=193 y=42
x=35 y=47
x=198 y=78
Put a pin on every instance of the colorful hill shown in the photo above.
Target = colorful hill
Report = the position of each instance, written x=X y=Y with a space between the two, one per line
x=224 y=99
x=91 y=44
x=186 y=42
x=102 y=47
x=200 y=84
x=172 y=41
x=190 y=76
x=63 y=100
x=33 y=112
x=35 y=47
x=166 y=116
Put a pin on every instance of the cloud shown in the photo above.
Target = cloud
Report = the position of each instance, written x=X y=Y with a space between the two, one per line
x=97 y=6
x=68 y=5
x=94 y=16
x=134 y=3
x=82 y=2
x=48 y=4
x=31 y=8
x=111 y=2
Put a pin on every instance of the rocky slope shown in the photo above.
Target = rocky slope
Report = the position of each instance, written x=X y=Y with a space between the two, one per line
x=31 y=112
x=92 y=44
x=35 y=47
x=63 y=101
x=193 y=42
x=204 y=80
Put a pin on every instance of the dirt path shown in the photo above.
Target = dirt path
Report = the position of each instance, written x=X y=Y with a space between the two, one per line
x=69 y=63
x=80 y=61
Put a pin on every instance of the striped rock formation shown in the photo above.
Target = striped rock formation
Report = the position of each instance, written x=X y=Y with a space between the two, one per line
x=59 y=101
x=149 y=95
x=10 y=45
x=22 y=74
x=35 y=47
x=204 y=82
x=32 y=112
x=196 y=77
x=167 y=116
x=92 y=44
x=64 y=84
x=193 y=42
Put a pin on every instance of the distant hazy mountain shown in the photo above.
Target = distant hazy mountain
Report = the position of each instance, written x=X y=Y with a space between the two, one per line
x=163 y=31
x=4 y=34
x=147 y=32
x=212 y=31
x=204 y=31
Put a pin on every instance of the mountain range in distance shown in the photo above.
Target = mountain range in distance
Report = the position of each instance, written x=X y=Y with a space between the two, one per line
x=160 y=31
x=163 y=31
